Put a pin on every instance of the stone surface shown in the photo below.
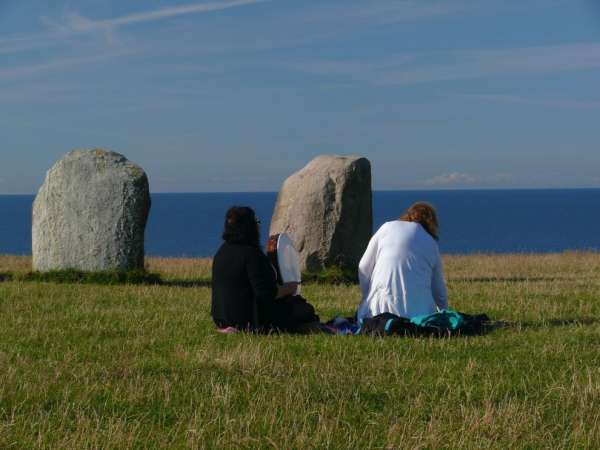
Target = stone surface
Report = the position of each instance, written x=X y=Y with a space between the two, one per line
x=90 y=214
x=326 y=208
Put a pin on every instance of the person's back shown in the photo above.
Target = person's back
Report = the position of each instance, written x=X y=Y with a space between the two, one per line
x=243 y=287
x=245 y=292
x=401 y=272
x=244 y=284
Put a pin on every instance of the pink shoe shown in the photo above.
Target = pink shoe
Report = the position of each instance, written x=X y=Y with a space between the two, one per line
x=228 y=330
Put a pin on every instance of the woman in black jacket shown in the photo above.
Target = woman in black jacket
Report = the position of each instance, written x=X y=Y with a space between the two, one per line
x=245 y=292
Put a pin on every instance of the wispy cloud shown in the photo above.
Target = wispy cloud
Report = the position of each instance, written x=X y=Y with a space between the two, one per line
x=461 y=64
x=73 y=24
x=533 y=101
x=25 y=43
x=78 y=23
x=460 y=179
x=33 y=69
x=314 y=22
x=390 y=11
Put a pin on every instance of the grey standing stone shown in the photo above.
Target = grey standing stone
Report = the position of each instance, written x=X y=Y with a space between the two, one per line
x=326 y=208
x=90 y=214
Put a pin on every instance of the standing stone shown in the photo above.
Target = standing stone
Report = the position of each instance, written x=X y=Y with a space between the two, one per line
x=90 y=214
x=326 y=209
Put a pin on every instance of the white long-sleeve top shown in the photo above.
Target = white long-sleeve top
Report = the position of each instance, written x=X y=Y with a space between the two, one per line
x=401 y=272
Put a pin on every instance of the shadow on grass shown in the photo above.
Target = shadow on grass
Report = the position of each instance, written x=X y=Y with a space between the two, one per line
x=493 y=325
x=306 y=280
x=333 y=275
x=540 y=324
x=503 y=279
x=79 y=277
x=138 y=277
x=5 y=277
x=186 y=283
x=549 y=323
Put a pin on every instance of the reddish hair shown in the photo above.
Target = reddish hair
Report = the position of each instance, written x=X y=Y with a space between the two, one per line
x=241 y=226
x=423 y=214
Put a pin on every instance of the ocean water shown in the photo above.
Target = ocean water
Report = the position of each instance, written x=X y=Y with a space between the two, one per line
x=472 y=221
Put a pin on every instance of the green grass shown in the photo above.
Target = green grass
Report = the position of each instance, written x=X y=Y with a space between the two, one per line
x=86 y=366
x=332 y=275
x=71 y=276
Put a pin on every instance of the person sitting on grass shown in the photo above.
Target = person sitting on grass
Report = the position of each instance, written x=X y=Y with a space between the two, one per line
x=245 y=292
x=401 y=270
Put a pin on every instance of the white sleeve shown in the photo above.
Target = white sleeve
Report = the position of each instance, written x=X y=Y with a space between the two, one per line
x=367 y=264
x=438 y=285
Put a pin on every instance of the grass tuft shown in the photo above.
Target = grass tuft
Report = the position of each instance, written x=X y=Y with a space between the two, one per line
x=331 y=275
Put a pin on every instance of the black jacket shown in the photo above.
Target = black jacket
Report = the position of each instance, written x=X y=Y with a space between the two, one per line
x=244 y=287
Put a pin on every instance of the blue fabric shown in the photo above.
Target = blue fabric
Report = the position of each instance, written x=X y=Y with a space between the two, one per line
x=359 y=329
x=344 y=326
x=445 y=318
x=388 y=325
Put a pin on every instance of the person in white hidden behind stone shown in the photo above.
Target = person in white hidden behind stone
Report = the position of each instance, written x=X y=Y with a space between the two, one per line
x=401 y=270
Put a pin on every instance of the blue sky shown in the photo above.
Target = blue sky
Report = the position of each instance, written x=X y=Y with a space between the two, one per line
x=234 y=95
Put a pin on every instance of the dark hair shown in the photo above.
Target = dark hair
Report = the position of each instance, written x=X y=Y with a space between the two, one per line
x=241 y=226
x=424 y=214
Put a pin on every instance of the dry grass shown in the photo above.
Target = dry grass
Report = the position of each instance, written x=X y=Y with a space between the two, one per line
x=458 y=267
x=180 y=268
x=169 y=268
x=15 y=264
x=84 y=366
x=553 y=265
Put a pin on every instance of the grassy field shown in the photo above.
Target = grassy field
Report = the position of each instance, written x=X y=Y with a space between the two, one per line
x=89 y=366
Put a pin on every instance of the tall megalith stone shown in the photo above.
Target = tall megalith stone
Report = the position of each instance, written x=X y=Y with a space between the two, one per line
x=90 y=214
x=326 y=208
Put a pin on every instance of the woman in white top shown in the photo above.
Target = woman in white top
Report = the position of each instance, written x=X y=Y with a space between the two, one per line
x=401 y=271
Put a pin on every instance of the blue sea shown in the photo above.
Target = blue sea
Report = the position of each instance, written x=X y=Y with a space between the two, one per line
x=472 y=221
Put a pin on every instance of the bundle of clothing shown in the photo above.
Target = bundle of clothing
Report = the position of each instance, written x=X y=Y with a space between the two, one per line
x=444 y=323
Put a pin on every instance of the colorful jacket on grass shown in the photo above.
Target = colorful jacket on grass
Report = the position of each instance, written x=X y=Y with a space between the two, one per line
x=442 y=323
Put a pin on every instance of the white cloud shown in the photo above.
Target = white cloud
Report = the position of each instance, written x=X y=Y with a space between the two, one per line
x=317 y=22
x=458 y=179
x=74 y=23
x=78 y=23
x=452 y=179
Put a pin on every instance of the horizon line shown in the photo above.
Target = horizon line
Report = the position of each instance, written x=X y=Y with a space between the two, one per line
x=457 y=189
